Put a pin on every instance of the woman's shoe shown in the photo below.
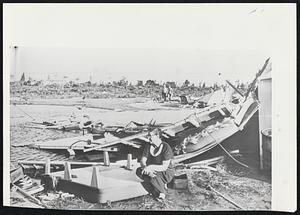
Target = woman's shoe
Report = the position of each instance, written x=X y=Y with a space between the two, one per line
x=161 y=197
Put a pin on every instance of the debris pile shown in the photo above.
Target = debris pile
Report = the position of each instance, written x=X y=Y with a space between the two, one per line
x=242 y=193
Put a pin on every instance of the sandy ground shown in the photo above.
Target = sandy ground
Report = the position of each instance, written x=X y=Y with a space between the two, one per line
x=113 y=104
x=247 y=188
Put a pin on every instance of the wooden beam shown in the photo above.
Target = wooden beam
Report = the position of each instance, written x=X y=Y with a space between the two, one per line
x=144 y=139
x=95 y=182
x=129 y=161
x=130 y=144
x=239 y=92
x=253 y=83
x=227 y=198
x=57 y=163
x=35 y=200
x=203 y=167
x=67 y=172
x=106 y=158
x=35 y=189
x=71 y=152
x=47 y=166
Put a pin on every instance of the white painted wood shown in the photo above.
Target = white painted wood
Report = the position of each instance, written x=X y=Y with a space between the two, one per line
x=71 y=152
x=95 y=182
x=129 y=161
x=47 y=166
x=67 y=171
x=106 y=158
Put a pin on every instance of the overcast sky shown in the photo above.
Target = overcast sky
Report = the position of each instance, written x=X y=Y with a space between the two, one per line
x=138 y=64
x=161 y=42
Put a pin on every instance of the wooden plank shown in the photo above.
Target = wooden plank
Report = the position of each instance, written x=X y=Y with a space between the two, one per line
x=71 y=152
x=108 y=149
x=143 y=139
x=227 y=198
x=103 y=141
x=130 y=144
x=207 y=162
x=253 y=83
x=79 y=141
x=74 y=143
x=129 y=161
x=202 y=163
x=67 y=171
x=47 y=166
x=203 y=167
x=230 y=84
x=35 y=189
x=106 y=159
x=117 y=141
x=35 y=200
x=95 y=178
x=60 y=163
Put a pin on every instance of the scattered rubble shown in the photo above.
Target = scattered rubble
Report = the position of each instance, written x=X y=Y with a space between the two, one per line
x=96 y=91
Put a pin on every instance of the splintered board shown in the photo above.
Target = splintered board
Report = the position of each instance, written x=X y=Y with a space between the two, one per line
x=76 y=143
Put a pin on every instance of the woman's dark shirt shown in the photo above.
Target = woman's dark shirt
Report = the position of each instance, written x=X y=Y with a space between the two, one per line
x=166 y=154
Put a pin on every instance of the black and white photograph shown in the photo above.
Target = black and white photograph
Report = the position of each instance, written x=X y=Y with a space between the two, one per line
x=148 y=106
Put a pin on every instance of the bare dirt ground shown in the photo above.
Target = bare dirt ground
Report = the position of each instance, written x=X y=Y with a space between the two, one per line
x=247 y=188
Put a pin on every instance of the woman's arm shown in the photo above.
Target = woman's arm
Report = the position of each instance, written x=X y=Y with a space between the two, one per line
x=143 y=162
x=157 y=168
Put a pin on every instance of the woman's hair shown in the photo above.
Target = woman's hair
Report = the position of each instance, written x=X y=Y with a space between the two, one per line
x=156 y=131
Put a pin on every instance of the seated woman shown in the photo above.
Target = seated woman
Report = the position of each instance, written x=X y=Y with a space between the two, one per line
x=156 y=168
